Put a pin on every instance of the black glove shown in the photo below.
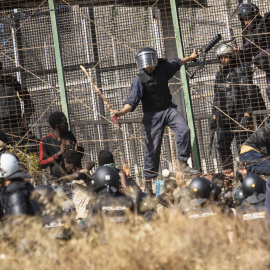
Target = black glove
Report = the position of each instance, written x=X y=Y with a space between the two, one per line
x=245 y=121
x=213 y=124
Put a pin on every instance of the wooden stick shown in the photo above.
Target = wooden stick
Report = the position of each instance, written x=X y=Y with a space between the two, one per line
x=100 y=93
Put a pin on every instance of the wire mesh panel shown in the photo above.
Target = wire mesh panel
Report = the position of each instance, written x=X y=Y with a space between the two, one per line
x=104 y=37
x=233 y=91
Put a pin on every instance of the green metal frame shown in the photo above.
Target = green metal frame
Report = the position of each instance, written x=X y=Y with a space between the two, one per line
x=58 y=58
x=185 y=84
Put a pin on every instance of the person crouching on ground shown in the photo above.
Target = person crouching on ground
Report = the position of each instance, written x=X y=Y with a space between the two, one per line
x=80 y=179
x=54 y=145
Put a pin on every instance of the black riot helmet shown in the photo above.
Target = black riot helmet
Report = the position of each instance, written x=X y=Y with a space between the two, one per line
x=238 y=195
x=253 y=188
x=106 y=177
x=146 y=57
x=247 y=10
x=200 y=189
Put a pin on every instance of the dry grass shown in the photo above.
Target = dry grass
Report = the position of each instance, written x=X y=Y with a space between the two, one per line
x=171 y=241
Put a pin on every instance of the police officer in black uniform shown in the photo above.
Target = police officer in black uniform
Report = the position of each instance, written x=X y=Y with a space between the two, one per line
x=201 y=201
x=13 y=123
x=55 y=211
x=15 y=192
x=235 y=97
x=256 y=38
x=253 y=207
x=109 y=201
x=151 y=87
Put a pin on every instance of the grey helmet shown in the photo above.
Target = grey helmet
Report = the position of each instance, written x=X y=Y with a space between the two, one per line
x=224 y=49
x=146 y=57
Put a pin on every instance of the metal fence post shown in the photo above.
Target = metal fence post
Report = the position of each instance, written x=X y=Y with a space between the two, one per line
x=58 y=58
x=188 y=105
x=19 y=44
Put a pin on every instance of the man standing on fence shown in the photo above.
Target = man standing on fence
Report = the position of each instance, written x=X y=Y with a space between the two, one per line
x=13 y=123
x=235 y=98
x=151 y=87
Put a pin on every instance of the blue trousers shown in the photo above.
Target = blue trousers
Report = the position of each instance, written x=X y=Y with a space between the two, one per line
x=154 y=125
x=255 y=162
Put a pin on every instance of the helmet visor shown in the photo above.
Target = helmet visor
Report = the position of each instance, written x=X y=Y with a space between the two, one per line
x=256 y=198
x=146 y=59
x=19 y=174
x=196 y=202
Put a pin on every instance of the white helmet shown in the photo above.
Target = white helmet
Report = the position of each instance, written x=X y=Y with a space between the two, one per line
x=224 y=49
x=10 y=168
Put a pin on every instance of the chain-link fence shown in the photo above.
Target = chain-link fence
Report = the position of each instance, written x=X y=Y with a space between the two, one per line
x=229 y=92
x=44 y=43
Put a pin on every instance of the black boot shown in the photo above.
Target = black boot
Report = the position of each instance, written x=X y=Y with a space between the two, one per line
x=186 y=170
x=148 y=189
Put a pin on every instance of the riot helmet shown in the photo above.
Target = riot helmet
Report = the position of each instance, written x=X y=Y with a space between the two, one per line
x=224 y=49
x=146 y=57
x=238 y=195
x=200 y=189
x=10 y=168
x=247 y=10
x=106 y=177
x=254 y=188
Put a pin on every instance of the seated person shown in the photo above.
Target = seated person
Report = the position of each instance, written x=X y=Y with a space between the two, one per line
x=80 y=178
x=55 y=144
x=254 y=153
